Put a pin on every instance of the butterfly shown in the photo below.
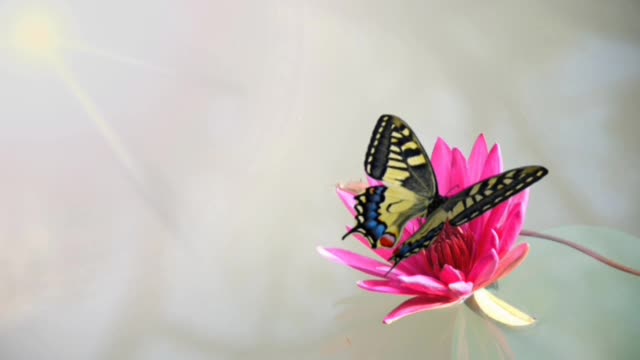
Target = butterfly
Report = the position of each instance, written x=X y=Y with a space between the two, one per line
x=397 y=158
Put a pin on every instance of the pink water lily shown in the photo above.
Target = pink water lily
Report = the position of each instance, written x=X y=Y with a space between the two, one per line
x=462 y=260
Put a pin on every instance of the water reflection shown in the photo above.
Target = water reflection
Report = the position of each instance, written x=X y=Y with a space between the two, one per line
x=452 y=333
x=583 y=311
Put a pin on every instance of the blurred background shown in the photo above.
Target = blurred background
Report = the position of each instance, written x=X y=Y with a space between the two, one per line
x=168 y=168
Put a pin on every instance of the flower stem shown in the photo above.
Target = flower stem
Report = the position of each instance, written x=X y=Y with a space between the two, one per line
x=582 y=249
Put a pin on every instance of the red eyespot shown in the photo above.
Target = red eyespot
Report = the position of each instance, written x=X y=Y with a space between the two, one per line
x=387 y=240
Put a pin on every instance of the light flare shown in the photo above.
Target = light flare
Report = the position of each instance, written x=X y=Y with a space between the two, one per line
x=104 y=128
x=36 y=36
x=123 y=59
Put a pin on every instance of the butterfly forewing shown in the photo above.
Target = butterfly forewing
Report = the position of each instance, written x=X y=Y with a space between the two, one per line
x=396 y=157
x=470 y=204
x=486 y=195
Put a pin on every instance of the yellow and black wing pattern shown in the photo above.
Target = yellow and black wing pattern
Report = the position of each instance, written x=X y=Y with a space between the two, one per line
x=470 y=204
x=382 y=213
x=395 y=157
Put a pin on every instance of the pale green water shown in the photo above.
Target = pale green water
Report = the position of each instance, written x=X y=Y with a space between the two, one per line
x=583 y=310
x=164 y=190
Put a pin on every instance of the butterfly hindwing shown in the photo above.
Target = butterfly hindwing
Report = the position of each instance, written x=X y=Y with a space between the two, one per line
x=470 y=204
x=382 y=213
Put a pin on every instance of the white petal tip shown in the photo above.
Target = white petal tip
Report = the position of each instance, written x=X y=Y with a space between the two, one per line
x=500 y=311
x=325 y=253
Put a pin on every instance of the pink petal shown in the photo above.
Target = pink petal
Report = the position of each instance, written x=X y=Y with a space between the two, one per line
x=478 y=225
x=418 y=304
x=382 y=252
x=347 y=199
x=511 y=229
x=477 y=159
x=458 y=173
x=493 y=219
x=496 y=218
x=416 y=262
x=424 y=284
x=493 y=165
x=512 y=260
x=353 y=260
x=461 y=288
x=354 y=187
x=487 y=244
x=441 y=163
x=387 y=287
x=484 y=270
x=374 y=182
x=449 y=275
x=523 y=199
x=412 y=227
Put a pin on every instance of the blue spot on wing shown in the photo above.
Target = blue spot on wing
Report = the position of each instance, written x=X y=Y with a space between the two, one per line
x=368 y=208
x=379 y=230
